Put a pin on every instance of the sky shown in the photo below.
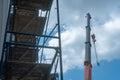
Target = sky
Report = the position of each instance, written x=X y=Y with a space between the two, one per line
x=104 y=24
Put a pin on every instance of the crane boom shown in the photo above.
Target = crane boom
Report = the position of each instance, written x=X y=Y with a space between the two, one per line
x=94 y=40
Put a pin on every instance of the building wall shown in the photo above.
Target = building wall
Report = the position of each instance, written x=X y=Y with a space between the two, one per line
x=4 y=6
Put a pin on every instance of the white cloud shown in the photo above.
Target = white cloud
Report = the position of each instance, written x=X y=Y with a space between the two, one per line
x=107 y=30
x=108 y=39
x=73 y=39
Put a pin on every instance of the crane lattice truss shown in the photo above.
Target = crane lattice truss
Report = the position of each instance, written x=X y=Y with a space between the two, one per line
x=26 y=42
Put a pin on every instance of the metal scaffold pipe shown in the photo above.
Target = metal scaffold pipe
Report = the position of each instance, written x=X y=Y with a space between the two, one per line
x=60 y=51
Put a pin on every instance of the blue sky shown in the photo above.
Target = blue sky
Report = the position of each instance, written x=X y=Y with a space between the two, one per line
x=105 y=24
x=107 y=71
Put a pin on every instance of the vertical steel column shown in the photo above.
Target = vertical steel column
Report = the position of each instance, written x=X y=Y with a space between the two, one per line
x=87 y=62
x=60 y=51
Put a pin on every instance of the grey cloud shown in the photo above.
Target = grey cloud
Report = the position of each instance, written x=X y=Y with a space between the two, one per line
x=100 y=9
x=106 y=19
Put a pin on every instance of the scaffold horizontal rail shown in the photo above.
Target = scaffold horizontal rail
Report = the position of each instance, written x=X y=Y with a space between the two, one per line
x=31 y=45
x=39 y=35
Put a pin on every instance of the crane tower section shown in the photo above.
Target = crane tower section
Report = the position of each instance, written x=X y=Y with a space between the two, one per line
x=87 y=62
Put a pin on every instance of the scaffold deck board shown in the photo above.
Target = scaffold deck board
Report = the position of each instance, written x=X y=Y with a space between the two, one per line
x=25 y=38
x=27 y=23
x=23 y=54
x=28 y=69
x=35 y=4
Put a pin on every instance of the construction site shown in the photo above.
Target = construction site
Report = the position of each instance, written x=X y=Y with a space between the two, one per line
x=25 y=37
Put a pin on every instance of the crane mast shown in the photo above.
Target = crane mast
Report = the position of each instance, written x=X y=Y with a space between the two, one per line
x=87 y=62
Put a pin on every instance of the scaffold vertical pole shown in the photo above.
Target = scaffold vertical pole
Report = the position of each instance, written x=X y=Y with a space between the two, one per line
x=60 y=51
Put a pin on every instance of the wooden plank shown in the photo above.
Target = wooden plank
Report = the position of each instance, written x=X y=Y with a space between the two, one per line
x=25 y=39
x=23 y=54
x=17 y=68
x=35 y=4
x=28 y=22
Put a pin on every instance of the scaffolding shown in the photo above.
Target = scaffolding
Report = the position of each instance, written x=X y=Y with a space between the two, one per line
x=26 y=42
